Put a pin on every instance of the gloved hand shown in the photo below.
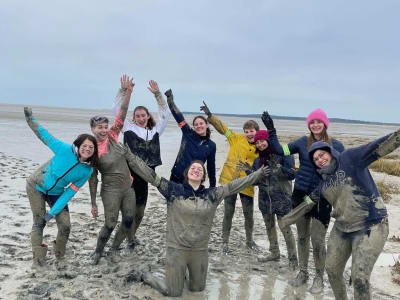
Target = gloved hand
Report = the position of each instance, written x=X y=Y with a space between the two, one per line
x=48 y=217
x=206 y=109
x=265 y=171
x=267 y=120
x=168 y=93
x=28 y=112
x=243 y=166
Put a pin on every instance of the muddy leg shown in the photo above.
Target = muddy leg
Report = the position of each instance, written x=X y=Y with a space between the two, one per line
x=318 y=232
x=269 y=221
x=141 y=188
x=303 y=246
x=366 y=248
x=198 y=266
x=138 y=218
x=128 y=204
x=229 y=205
x=64 y=228
x=38 y=207
x=290 y=244
x=339 y=251
x=248 y=208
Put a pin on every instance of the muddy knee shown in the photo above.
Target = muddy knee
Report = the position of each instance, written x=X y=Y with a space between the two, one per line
x=361 y=286
x=127 y=222
x=64 y=230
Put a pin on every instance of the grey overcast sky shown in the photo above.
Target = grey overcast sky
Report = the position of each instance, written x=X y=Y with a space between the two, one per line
x=289 y=57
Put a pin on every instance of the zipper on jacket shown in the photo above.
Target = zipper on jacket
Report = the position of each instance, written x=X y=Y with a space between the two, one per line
x=59 y=178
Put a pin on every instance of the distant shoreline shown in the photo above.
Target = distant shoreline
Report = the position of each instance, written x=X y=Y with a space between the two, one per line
x=256 y=116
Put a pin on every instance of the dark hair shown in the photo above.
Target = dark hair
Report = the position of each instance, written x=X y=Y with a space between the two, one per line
x=251 y=124
x=150 y=122
x=185 y=174
x=98 y=120
x=94 y=159
x=324 y=138
x=208 y=131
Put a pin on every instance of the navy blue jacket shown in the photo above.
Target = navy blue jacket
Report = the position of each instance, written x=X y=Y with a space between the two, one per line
x=193 y=147
x=306 y=178
x=349 y=188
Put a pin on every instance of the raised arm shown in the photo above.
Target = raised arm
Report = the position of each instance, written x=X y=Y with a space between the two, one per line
x=285 y=169
x=239 y=184
x=53 y=143
x=211 y=167
x=63 y=200
x=178 y=116
x=218 y=125
x=163 y=110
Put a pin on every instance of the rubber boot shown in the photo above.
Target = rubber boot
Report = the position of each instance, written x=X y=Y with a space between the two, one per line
x=290 y=245
x=39 y=255
x=274 y=255
x=95 y=258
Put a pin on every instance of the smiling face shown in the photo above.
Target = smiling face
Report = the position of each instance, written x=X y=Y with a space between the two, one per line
x=200 y=126
x=86 y=150
x=316 y=127
x=100 y=131
x=322 y=158
x=195 y=173
x=261 y=145
x=250 y=133
x=140 y=117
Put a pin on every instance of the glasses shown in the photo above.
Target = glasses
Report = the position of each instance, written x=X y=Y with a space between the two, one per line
x=319 y=156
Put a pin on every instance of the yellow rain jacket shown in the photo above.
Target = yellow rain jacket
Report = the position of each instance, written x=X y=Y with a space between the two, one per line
x=240 y=149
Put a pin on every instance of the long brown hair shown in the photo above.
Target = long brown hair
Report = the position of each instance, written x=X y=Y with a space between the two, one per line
x=208 y=131
x=150 y=122
x=94 y=159
x=324 y=138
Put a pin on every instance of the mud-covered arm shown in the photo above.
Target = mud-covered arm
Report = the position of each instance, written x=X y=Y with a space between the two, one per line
x=219 y=125
x=70 y=192
x=211 y=166
x=239 y=184
x=93 y=181
x=176 y=113
x=53 y=143
x=286 y=168
x=366 y=154
x=163 y=110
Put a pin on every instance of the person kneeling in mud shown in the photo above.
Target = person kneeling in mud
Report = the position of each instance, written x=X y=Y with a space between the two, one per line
x=274 y=196
x=56 y=182
x=361 y=227
x=190 y=212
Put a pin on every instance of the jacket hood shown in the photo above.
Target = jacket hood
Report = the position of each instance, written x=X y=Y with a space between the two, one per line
x=321 y=146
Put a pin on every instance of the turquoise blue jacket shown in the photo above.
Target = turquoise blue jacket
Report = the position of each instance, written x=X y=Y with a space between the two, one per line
x=64 y=161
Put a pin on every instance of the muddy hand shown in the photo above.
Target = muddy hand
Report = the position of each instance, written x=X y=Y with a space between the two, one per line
x=267 y=120
x=94 y=211
x=153 y=87
x=205 y=109
x=28 y=112
x=243 y=166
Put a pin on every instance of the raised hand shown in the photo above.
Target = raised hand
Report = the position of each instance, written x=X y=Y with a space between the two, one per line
x=127 y=83
x=243 y=166
x=94 y=211
x=205 y=109
x=153 y=87
x=267 y=120
x=28 y=112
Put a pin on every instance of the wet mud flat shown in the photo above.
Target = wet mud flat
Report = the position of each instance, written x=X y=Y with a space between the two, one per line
x=235 y=276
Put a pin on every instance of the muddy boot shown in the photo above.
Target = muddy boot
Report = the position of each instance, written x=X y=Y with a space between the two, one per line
x=275 y=255
x=95 y=258
x=293 y=264
x=300 y=279
x=134 y=276
x=318 y=285
x=59 y=250
x=114 y=255
x=271 y=257
x=225 y=249
x=290 y=245
x=252 y=246
x=39 y=255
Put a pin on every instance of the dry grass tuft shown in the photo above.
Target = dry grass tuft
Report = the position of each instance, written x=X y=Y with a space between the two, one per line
x=395 y=239
x=386 y=166
x=392 y=156
x=386 y=190
x=396 y=273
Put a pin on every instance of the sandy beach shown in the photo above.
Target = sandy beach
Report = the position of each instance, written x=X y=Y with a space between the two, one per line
x=236 y=276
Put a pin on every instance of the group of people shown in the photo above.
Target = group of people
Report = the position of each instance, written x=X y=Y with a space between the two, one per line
x=328 y=176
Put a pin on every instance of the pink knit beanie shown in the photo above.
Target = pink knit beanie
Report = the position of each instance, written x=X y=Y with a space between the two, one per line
x=318 y=114
x=261 y=135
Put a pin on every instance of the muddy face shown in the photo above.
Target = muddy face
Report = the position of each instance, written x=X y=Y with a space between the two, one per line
x=140 y=117
x=196 y=173
x=100 y=131
x=200 y=126
x=316 y=127
x=261 y=145
x=86 y=150
x=322 y=158
x=250 y=133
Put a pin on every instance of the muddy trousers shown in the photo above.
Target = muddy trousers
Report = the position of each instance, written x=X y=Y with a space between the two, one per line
x=38 y=206
x=306 y=228
x=364 y=246
x=269 y=220
x=113 y=202
x=177 y=260
x=248 y=207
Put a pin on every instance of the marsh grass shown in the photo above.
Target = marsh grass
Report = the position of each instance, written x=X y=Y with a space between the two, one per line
x=396 y=273
x=395 y=239
x=386 y=190
x=389 y=166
